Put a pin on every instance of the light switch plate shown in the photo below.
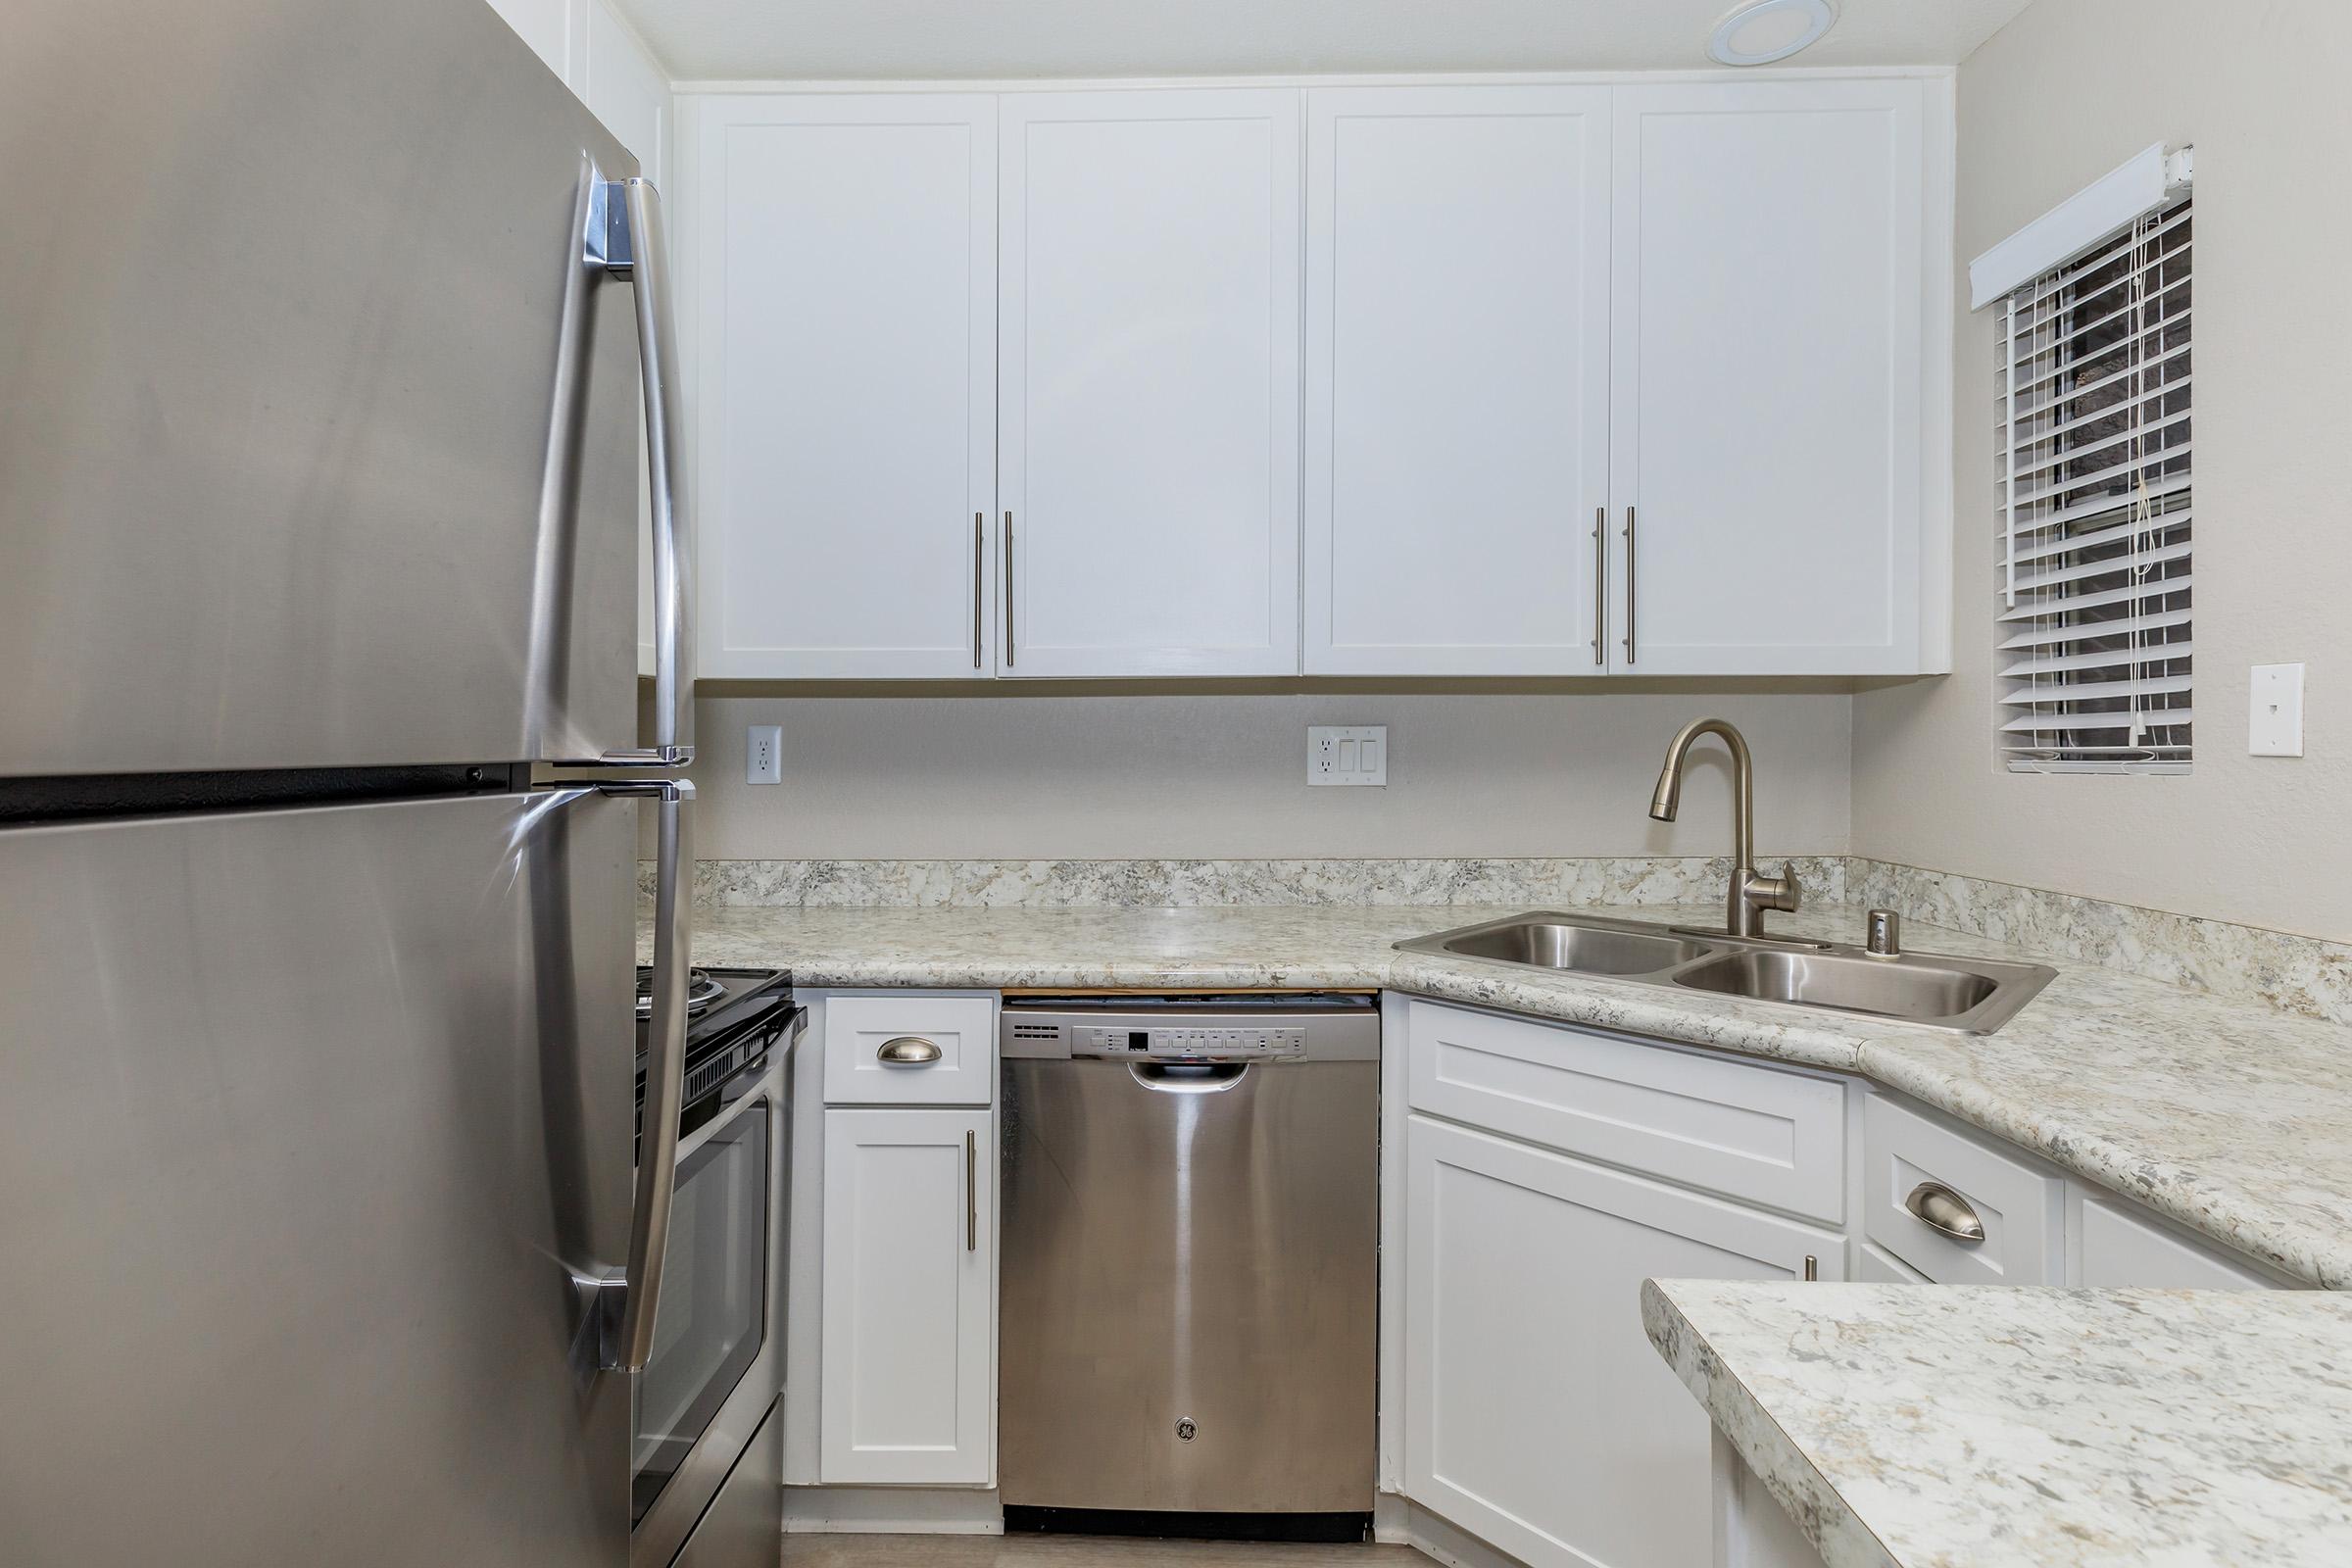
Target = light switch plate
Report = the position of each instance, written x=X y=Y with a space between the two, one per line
x=1347 y=753
x=2274 y=712
x=763 y=754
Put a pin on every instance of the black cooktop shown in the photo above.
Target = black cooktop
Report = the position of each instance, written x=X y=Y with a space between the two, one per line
x=734 y=1018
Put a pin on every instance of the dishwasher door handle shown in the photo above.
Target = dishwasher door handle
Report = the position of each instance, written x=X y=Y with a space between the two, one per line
x=1188 y=1077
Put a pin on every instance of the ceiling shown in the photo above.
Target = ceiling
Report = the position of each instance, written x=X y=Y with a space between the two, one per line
x=703 y=40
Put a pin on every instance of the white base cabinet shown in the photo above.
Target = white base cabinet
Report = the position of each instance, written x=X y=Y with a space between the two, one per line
x=1539 y=1417
x=909 y=1365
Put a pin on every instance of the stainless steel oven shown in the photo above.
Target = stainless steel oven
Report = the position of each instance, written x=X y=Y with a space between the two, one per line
x=702 y=1412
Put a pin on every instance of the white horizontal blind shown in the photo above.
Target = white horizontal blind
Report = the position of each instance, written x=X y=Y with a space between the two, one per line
x=2092 y=641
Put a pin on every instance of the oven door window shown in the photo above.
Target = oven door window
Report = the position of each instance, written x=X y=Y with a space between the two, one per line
x=712 y=1319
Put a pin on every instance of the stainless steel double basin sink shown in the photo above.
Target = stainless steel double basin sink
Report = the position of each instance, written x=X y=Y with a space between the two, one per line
x=1970 y=995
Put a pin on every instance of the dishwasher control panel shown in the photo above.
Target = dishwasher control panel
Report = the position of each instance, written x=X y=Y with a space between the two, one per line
x=1188 y=1040
x=1264 y=1026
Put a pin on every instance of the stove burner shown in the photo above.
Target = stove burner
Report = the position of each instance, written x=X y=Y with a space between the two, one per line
x=701 y=992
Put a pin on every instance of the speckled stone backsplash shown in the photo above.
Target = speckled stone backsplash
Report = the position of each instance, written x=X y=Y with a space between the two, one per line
x=2300 y=975
x=1198 y=884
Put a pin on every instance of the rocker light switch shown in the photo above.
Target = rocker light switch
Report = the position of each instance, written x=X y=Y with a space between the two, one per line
x=1343 y=753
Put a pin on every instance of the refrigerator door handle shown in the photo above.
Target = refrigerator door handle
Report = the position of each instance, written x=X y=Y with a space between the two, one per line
x=625 y=239
x=666 y=1059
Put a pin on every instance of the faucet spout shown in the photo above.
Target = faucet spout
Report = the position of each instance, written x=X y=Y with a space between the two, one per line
x=1752 y=891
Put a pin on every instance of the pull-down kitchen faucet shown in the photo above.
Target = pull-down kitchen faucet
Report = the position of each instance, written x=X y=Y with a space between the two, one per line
x=1752 y=893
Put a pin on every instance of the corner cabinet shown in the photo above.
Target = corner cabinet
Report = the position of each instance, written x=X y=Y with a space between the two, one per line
x=1537 y=1415
x=1147 y=373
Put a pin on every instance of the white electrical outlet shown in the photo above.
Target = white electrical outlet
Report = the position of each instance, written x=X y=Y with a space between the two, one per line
x=2274 y=712
x=1345 y=754
x=764 y=754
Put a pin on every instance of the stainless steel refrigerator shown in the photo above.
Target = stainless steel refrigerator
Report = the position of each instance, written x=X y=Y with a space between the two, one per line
x=324 y=331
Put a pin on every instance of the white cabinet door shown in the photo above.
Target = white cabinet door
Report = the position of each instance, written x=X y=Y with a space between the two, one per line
x=847 y=299
x=1457 y=362
x=1767 y=429
x=1149 y=382
x=2116 y=1245
x=1537 y=1415
x=908 y=1383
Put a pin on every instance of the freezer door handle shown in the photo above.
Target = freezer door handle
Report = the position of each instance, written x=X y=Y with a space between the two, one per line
x=625 y=239
x=664 y=1069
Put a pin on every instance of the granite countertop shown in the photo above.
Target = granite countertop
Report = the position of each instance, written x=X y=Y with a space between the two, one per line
x=2231 y=1118
x=1975 y=1426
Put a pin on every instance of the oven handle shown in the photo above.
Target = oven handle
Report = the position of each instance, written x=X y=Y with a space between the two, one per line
x=665 y=1068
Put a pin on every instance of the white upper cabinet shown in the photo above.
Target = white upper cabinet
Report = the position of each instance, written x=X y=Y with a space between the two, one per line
x=1771 y=300
x=1623 y=379
x=1457 y=379
x=1147 y=364
x=846 y=266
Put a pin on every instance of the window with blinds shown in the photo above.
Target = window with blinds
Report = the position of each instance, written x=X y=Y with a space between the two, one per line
x=2092 y=646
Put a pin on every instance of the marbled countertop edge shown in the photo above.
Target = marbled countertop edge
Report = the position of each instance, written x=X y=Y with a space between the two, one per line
x=2228 y=1116
x=1841 y=1537
x=1903 y=1427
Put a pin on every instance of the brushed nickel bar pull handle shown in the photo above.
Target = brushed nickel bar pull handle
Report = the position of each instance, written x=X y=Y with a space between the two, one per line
x=971 y=1191
x=626 y=239
x=1812 y=1268
x=979 y=586
x=1942 y=1209
x=1010 y=642
x=907 y=1050
x=1601 y=585
x=665 y=1073
x=1632 y=556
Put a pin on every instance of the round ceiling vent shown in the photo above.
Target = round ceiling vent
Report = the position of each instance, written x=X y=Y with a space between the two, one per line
x=1761 y=31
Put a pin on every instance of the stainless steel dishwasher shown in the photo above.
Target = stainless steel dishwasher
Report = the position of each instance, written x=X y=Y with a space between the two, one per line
x=1190 y=1261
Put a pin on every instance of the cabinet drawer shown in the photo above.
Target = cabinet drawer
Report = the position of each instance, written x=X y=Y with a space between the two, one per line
x=1753 y=1133
x=2016 y=1206
x=949 y=1043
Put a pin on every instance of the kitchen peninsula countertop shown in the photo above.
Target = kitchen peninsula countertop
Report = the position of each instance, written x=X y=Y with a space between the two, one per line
x=2231 y=1118
x=1980 y=1426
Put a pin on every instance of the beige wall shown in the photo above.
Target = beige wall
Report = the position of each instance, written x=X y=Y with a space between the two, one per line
x=1036 y=774
x=2264 y=90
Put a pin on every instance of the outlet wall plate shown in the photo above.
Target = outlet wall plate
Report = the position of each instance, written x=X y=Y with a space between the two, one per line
x=2274 y=712
x=763 y=754
x=1347 y=753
